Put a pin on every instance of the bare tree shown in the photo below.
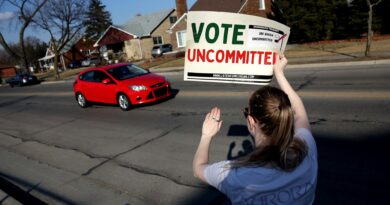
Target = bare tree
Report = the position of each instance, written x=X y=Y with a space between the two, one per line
x=27 y=10
x=370 y=32
x=63 y=20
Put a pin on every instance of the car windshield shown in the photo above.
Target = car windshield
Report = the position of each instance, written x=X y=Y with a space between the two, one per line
x=127 y=71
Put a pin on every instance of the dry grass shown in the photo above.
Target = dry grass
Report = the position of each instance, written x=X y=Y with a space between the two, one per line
x=173 y=63
x=50 y=75
x=329 y=49
x=320 y=49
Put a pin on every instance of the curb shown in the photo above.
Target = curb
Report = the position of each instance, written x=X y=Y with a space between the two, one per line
x=167 y=70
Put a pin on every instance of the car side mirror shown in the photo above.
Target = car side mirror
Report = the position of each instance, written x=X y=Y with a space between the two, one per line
x=106 y=81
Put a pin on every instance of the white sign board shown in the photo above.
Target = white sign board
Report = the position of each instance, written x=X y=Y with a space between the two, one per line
x=232 y=48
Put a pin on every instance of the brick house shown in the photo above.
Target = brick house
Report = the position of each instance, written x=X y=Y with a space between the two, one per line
x=178 y=30
x=7 y=71
x=136 y=38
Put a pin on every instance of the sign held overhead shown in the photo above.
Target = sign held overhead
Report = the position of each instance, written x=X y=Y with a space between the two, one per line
x=232 y=48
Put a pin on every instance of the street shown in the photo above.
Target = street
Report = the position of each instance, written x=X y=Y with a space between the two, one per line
x=63 y=154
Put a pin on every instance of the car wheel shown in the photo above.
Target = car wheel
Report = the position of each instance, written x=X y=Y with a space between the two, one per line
x=123 y=102
x=11 y=85
x=81 y=100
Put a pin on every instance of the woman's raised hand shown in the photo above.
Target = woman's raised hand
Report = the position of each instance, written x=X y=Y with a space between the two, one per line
x=280 y=64
x=212 y=123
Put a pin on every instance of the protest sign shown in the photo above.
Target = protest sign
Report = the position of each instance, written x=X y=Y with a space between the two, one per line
x=232 y=48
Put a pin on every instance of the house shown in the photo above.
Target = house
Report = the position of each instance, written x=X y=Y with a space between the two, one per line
x=135 y=39
x=178 y=30
x=76 y=49
x=7 y=71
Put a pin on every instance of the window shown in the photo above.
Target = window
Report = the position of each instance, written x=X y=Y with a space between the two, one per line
x=94 y=76
x=261 y=5
x=172 y=19
x=127 y=71
x=87 y=76
x=99 y=76
x=157 y=40
x=85 y=52
x=181 y=38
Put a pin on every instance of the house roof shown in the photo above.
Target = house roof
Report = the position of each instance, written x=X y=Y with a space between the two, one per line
x=96 y=44
x=184 y=16
x=71 y=43
x=233 y=6
x=144 y=25
x=50 y=54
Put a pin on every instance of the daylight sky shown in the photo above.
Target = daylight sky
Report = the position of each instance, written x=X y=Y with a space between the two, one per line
x=121 y=11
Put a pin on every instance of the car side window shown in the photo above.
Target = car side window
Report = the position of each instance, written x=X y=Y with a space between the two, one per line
x=99 y=76
x=88 y=76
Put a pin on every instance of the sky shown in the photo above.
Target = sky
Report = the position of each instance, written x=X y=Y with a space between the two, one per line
x=121 y=11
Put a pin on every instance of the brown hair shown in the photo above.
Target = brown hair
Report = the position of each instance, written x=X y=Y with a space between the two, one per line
x=271 y=108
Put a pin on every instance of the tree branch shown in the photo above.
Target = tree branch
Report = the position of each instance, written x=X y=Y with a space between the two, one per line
x=7 y=48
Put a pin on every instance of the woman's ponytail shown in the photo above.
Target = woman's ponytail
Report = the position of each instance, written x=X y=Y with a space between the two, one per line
x=272 y=110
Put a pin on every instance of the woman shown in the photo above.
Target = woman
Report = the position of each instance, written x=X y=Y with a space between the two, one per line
x=282 y=169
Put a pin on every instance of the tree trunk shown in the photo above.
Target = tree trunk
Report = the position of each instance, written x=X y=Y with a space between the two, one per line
x=56 y=58
x=369 y=32
x=23 y=57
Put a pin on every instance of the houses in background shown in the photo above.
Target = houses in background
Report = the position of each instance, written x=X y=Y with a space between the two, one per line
x=137 y=37
x=134 y=40
x=75 y=50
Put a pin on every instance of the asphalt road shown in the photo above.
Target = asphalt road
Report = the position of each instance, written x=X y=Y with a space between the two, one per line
x=62 y=154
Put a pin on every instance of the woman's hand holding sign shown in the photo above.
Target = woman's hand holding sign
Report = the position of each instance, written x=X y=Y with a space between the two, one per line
x=280 y=63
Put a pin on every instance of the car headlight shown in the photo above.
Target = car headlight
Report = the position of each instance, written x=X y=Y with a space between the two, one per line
x=137 y=87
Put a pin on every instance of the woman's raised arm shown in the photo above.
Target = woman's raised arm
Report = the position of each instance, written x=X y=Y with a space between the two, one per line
x=300 y=115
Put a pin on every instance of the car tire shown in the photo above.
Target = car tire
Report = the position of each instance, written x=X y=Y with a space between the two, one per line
x=81 y=100
x=123 y=102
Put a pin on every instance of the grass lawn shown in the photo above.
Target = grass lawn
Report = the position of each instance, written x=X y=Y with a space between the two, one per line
x=50 y=75
x=353 y=48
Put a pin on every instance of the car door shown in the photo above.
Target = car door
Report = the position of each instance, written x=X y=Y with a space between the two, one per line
x=16 y=80
x=104 y=92
x=87 y=85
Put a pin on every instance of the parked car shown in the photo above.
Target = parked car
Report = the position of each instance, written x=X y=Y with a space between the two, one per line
x=122 y=84
x=22 y=79
x=160 y=49
x=90 y=62
x=74 y=64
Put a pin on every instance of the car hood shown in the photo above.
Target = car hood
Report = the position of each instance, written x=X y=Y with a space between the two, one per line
x=146 y=80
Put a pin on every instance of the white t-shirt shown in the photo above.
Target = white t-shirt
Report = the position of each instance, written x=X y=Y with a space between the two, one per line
x=268 y=186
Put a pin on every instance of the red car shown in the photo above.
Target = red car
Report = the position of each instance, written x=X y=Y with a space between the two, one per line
x=122 y=84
